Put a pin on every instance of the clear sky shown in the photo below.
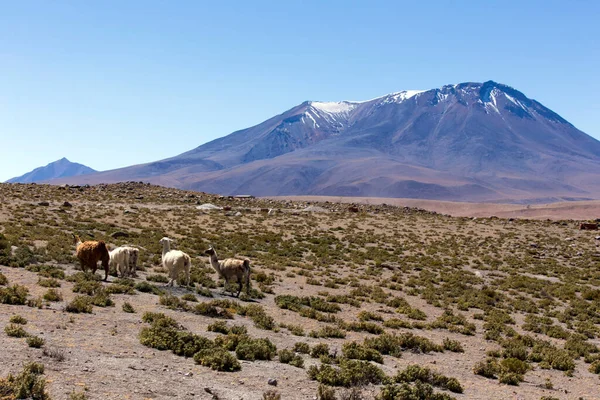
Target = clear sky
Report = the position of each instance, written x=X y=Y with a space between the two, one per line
x=115 y=83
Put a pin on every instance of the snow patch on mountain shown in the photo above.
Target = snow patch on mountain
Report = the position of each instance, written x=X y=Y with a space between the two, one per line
x=334 y=107
x=399 y=97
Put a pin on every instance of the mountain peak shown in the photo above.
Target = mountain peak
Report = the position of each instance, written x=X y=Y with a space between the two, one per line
x=61 y=168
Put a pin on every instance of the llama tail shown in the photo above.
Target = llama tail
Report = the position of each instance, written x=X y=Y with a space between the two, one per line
x=247 y=272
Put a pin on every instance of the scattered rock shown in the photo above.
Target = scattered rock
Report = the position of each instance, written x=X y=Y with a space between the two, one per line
x=316 y=209
x=208 y=390
x=43 y=203
x=67 y=204
x=272 y=381
x=208 y=207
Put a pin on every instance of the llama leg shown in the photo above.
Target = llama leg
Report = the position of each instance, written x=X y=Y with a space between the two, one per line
x=239 y=282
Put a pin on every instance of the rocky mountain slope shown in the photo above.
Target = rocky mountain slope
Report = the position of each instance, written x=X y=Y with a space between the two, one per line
x=469 y=142
x=62 y=168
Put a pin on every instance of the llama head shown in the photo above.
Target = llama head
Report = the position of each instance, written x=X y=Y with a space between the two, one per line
x=211 y=251
x=165 y=240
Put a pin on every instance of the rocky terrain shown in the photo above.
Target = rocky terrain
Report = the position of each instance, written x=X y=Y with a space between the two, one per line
x=346 y=301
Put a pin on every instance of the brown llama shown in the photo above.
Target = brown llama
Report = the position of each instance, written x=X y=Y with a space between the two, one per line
x=90 y=252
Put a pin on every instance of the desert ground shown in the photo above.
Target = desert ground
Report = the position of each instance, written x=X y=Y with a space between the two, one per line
x=580 y=210
x=419 y=300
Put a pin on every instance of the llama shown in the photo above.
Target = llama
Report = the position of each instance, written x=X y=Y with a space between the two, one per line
x=175 y=261
x=230 y=268
x=90 y=252
x=119 y=259
x=133 y=257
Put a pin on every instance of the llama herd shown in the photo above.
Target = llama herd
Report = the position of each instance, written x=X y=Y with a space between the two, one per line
x=176 y=262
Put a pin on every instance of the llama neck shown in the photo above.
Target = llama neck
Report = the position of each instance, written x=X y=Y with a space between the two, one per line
x=214 y=261
x=166 y=248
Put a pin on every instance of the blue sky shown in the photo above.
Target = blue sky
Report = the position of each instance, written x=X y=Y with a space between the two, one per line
x=115 y=83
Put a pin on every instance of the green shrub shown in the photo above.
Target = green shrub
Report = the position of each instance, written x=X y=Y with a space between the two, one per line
x=157 y=278
x=453 y=346
x=255 y=349
x=219 y=327
x=29 y=384
x=289 y=357
x=304 y=348
x=328 y=332
x=89 y=287
x=325 y=393
x=418 y=391
x=52 y=295
x=80 y=304
x=510 y=378
x=414 y=373
x=238 y=330
x=487 y=368
x=187 y=344
x=116 y=288
x=356 y=351
x=15 y=295
x=595 y=367
x=146 y=287
x=318 y=350
x=189 y=297
x=51 y=283
x=3 y=279
x=230 y=341
x=217 y=359
x=17 y=319
x=35 y=341
x=259 y=317
x=271 y=395
x=350 y=373
x=128 y=308
x=17 y=331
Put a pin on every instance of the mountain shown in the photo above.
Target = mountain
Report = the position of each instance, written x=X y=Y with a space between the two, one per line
x=62 y=168
x=470 y=142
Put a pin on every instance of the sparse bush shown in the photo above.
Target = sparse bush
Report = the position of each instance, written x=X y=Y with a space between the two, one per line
x=289 y=357
x=14 y=330
x=318 y=350
x=355 y=351
x=217 y=359
x=55 y=353
x=271 y=395
x=15 y=295
x=453 y=346
x=80 y=304
x=189 y=297
x=35 y=341
x=325 y=393
x=3 y=279
x=255 y=349
x=219 y=327
x=157 y=278
x=146 y=287
x=29 y=384
x=301 y=347
x=350 y=373
x=17 y=319
x=128 y=308
x=328 y=332
x=51 y=283
x=52 y=295
x=487 y=368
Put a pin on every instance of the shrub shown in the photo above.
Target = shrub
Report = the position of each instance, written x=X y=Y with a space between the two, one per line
x=318 y=350
x=325 y=393
x=217 y=359
x=301 y=347
x=116 y=288
x=28 y=384
x=487 y=368
x=349 y=373
x=510 y=378
x=419 y=390
x=128 y=308
x=271 y=395
x=453 y=345
x=3 y=279
x=51 y=283
x=157 y=278
x=55 y=353
x=17 y=319
x=414 y=373
x=189 y=297
x=255 y=349
x=289 y=357
x=146 y=287
x=219 y=327
x=353 y=350
x=14 y=330
x=187 y=344
x=89 y=287
x=15 y=295
x=595 y=367
x=259 y=317
x=102 y=299
x=80 y=304
x=52 y=295
x=35 y=341
x=328 y=332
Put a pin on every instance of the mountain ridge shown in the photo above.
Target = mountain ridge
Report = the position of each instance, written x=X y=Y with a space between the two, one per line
x=62 y=168
x=468 y=141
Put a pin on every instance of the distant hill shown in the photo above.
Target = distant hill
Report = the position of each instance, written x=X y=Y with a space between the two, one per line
x=62 y=168
x=466 y=142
